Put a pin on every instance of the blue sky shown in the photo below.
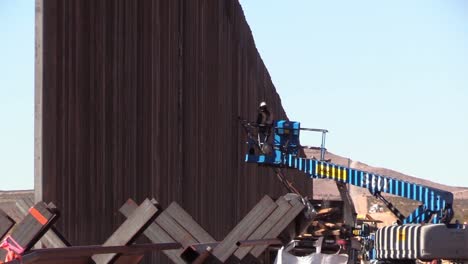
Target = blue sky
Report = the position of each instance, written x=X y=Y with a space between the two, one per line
x=16 y=94
x=388 y=79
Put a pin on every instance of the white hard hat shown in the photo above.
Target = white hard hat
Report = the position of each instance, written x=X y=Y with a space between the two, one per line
x=263 y=104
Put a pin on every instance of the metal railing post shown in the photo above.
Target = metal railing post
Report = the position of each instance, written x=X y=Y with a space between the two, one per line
x=322 y=147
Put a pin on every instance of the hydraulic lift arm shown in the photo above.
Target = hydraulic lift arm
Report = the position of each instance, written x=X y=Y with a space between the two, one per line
x=434 y=202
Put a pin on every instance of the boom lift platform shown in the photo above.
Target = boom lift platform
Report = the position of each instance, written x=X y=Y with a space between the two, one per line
x=435 y=204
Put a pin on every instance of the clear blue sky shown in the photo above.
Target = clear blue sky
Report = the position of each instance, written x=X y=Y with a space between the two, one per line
x=388 y=79
x=16 y=94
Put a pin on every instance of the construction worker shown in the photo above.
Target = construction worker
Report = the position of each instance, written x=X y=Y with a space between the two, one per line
x=264 y=122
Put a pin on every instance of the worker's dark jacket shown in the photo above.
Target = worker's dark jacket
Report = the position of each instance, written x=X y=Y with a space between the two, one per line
x=264 y=121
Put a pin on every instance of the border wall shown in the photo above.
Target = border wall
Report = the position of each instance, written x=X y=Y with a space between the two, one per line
x=140 y=99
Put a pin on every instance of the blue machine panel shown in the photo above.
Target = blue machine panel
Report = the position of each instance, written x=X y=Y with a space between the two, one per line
x=287 y=137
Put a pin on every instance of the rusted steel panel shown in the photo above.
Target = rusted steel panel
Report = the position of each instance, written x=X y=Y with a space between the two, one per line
x=141 y=99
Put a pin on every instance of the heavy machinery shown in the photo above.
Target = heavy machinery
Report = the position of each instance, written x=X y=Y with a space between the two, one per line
x=412 y=238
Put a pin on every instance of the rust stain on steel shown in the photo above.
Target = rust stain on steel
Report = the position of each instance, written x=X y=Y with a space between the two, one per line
x=141 y=99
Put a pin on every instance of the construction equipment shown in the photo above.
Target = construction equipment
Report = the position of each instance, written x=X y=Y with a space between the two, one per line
x=435 y=204
x=265 y=148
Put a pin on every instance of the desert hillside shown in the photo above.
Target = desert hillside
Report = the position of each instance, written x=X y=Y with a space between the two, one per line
x=459 y=192
x=326 y=189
